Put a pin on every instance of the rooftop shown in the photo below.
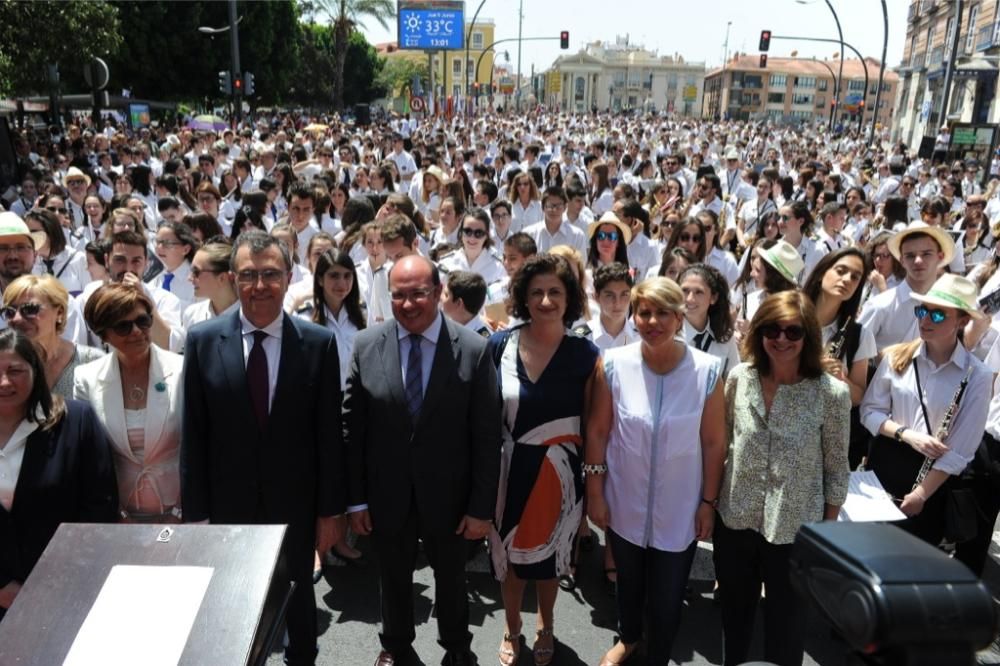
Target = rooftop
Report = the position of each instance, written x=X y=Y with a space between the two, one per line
x=853 y=69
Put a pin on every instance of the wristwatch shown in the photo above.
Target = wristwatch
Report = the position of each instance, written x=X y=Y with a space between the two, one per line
x=899 y=433
x=713 y=503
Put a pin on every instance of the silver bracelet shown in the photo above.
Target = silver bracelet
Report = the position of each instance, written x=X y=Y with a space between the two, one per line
x=595 y=469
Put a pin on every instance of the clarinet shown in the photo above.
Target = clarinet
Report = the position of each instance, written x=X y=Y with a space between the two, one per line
x=836 y=344
x=942 y=431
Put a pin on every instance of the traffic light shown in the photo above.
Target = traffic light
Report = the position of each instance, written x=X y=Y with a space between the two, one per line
x=763 y=60
x=765 y=40
x=564 y=39
x=237 y=85
x=225 y=83
x=248 y=84
x=475 y=88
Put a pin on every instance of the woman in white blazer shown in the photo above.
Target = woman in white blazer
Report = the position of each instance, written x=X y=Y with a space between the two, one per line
x=136 y=393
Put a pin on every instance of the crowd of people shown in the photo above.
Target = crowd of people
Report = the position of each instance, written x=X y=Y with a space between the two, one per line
x=500 y=330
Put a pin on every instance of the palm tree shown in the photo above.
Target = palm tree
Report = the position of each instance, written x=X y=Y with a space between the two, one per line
x=345 y=16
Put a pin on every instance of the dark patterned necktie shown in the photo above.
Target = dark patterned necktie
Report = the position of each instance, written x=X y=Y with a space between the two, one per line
x=414 y=376
x=257 y=380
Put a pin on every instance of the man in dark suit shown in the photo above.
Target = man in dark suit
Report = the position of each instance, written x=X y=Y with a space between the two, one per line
x=261 y=439
x=422 y=430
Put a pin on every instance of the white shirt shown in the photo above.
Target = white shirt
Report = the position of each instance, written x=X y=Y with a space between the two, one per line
x=194 y=314
x=654 y=457
x=603 y=203
x=725 y=263
x=486 y=264
x=894 y=396
x=272 y=349
x=522 y=217
x=889 y=316
x=69 y=267
x=180 y=286
x=345 y=332
x=727 y=352
x=643 y=255
x=428 y=344
x=566 y=234
x=604 y=340
x=11 y=457
x=866 y=343
x=373 y=284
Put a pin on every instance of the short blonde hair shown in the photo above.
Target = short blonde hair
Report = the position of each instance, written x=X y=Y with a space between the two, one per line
x=661 y=292
x=46 y=287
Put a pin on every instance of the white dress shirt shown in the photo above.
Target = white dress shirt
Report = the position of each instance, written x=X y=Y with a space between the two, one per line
x=522 y=217
x=180 y=286
x=890 y=317
x=727 y=352
x=11 y=457
x=604 y=340
x=428 y=345
x=272 y=349
x=893 y=396
x=486 y=265
x=567 y=234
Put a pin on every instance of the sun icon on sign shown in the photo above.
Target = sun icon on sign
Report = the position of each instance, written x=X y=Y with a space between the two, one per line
x=412 y=23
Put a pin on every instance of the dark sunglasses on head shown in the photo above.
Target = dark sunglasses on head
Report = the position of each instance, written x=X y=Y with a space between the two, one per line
x=27 y=310
x=607 y=235
x=937 y=316
x=475 y=233
x=791 y=333
x=123 y=328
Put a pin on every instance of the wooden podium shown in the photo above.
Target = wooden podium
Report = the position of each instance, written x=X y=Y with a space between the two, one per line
x=236 y=623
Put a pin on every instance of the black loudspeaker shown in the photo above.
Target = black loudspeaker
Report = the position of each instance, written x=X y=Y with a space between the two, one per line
x=362 y=115
x=893 y=598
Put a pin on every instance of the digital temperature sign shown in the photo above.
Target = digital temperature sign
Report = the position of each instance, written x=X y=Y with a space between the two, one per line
x=431 y=25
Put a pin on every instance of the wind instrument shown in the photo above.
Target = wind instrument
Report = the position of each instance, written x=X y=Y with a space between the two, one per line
x=942 y=432
x=836 y=344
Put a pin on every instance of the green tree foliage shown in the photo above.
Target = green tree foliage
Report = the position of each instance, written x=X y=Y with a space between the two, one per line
x=399 y=71
x=312 y=81
x=41 y=32
x=345 y=17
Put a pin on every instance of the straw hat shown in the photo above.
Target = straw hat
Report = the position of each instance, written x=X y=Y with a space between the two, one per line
x=785 y=259
x=76 y=173
x=952 y=291
x=433 y=170
x=610 y=218
x=12 y=225
x=942 y=237
x=731 y=153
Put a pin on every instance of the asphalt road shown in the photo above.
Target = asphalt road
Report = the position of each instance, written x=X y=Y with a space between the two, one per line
x=347 y=598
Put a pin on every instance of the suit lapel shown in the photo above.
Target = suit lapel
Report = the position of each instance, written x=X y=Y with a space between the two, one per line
x=157 y=402
x=112 y=402
x=446 y=354
x=231 y=354
x=389 y=352
x=37 y=451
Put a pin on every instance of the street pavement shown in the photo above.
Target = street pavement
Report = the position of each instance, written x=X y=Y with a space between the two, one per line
x=347 y=599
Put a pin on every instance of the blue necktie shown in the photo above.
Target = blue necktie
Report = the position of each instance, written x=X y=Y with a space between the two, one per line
x=414 y=377
x=167 y=279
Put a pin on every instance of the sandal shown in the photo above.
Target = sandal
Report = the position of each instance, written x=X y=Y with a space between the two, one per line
x=541 y=653
x=510 y=649
x=629 y=649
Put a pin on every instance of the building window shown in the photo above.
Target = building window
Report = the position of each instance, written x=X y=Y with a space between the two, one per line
x=775 y=98
x=821 y=84
x=948 y=36
x=456 y=90
x=802 y=99
x=690 y=80
x=470 y=67
x=456 y=66
x=805 y=81
x=856 y=85
x=619 y=78
x=820 y=101
x=671 y=81
x=996 y=24
x=778 y=80
x=477 y=40
x=578 y=89
x=970 y=37
x=930 y=42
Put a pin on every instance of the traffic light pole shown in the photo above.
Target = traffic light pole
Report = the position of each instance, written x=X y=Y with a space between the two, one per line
x=861 y=115
x=234 y=43
x=489 y=47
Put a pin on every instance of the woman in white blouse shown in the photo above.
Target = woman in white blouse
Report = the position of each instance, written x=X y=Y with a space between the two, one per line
x=708 y=317
x=476 y=253
x=656 y=429
x=53 y=255
x=907 y=400
x=213 y=286
x=525 y=202
x=136 y=392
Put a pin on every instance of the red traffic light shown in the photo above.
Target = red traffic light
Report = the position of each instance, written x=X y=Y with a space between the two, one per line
x=765 y=40
x=763 y=60
x=238 y=83
x=564 y=39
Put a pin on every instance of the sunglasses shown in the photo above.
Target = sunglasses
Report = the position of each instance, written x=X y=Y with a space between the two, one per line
x=54 y=209
x=791 y=333
x=937 y=316
x=27 y=310
x=475 y=233
x=196 y=272
x=689 y=238
x=607 y=235
x=123 y=328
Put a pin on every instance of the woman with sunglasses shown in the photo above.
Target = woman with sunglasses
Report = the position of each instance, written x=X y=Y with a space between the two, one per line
x=136 y=391
x=787 y=466
x=609 y=239
x=38 y=306
x=915 y=386
x=213 y=289
x=55 y=203
x=476 y=252
x=58 y=460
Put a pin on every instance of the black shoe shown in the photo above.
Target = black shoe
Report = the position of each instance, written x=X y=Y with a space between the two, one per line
x=459 y=658
x=567 y=582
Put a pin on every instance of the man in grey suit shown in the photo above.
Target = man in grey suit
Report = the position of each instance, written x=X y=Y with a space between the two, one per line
x=422 y=430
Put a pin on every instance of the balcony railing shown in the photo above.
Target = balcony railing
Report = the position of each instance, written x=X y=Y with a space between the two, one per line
x=984 y=39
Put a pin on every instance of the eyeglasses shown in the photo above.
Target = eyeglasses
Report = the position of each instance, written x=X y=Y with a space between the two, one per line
x=123 y=328
x=689 y=238
x=937 y=316
x=555 y=206
x=27 y=310
x=196 y=272
x=54 y=209
x=881 y=256
x=412 y=296
x=269 y=276
x=607 y=236
x=475 y=233
x=74 y=182
x=791 y=333
x=162 y=242
x=20 y=249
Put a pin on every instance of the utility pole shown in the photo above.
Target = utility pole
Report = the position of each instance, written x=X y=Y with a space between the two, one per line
x=949 y=66
x=881 y=70
x=723 y=103
x=520 y=25
x=234 y=43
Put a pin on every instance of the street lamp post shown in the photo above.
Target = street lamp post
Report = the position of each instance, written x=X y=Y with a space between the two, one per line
x=468 y=40
x=840 y=33
x=832 y=76
x=881 y=71
x=234 y=44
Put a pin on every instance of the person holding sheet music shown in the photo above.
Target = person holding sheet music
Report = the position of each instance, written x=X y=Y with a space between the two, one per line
x=927 y=407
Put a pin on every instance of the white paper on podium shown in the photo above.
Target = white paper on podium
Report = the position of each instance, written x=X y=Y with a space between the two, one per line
x=143 y=615
x=867 y=501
